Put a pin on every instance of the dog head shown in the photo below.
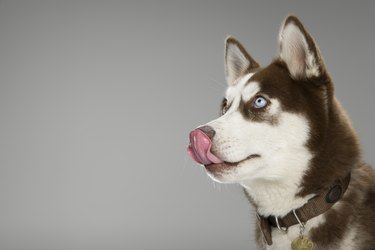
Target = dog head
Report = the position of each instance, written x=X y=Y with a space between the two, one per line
x=274 y=119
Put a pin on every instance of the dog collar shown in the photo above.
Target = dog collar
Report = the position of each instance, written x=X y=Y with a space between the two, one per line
x=314 y=207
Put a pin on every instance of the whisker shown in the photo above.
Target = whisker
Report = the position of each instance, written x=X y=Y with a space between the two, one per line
x=215 y=185
x=213 y=80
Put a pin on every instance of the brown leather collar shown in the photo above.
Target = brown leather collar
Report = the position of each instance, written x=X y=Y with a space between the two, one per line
x=314 y=207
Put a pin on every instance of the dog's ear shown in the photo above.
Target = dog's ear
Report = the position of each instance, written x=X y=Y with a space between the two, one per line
x=237 y=61
x=299 y=51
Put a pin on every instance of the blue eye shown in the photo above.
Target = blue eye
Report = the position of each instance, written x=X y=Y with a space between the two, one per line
x=260 y=102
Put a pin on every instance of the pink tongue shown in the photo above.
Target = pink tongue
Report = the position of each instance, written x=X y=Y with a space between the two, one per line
x=199 y=148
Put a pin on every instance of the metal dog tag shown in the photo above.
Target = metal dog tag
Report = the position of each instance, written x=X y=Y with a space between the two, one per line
x=302 y=243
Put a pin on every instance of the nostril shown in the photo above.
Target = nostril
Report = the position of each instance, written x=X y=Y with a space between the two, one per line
x=209 y=131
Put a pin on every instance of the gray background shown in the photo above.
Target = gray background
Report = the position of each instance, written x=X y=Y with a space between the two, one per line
x=97 y=99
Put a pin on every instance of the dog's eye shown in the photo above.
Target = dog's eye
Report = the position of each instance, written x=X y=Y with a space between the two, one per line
x=260 y=102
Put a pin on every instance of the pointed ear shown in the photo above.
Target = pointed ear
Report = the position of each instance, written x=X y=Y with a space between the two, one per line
x=299 y=51
x=237 y=61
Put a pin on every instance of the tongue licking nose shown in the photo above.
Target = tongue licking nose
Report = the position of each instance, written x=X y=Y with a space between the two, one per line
x=199 y=148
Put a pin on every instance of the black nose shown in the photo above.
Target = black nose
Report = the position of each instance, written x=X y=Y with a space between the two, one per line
x=208 y=131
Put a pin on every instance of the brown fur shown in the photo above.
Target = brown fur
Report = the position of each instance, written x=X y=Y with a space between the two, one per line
x=356 y=209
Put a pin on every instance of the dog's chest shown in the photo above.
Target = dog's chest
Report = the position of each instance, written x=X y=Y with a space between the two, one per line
x=283 y=240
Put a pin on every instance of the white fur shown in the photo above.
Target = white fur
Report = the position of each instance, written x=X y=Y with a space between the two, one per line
x=349 y=241
x=275 y=176
x=249 y=91
x=233 y=93
x=283 y=240
x=275 y=107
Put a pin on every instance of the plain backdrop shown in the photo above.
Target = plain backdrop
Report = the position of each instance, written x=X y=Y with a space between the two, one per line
x=97 y=99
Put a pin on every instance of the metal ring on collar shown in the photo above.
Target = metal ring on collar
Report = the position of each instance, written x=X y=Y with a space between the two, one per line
x=299 y=221
x=285 y=229
x=301 y=224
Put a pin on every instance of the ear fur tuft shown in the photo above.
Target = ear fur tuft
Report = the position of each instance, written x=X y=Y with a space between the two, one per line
x=299 y=51
x=237 y=61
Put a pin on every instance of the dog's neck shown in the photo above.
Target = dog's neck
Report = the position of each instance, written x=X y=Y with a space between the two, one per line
x=274 y=198
x=278 y=195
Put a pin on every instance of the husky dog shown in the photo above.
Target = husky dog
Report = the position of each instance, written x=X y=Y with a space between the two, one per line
x=285 y=138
